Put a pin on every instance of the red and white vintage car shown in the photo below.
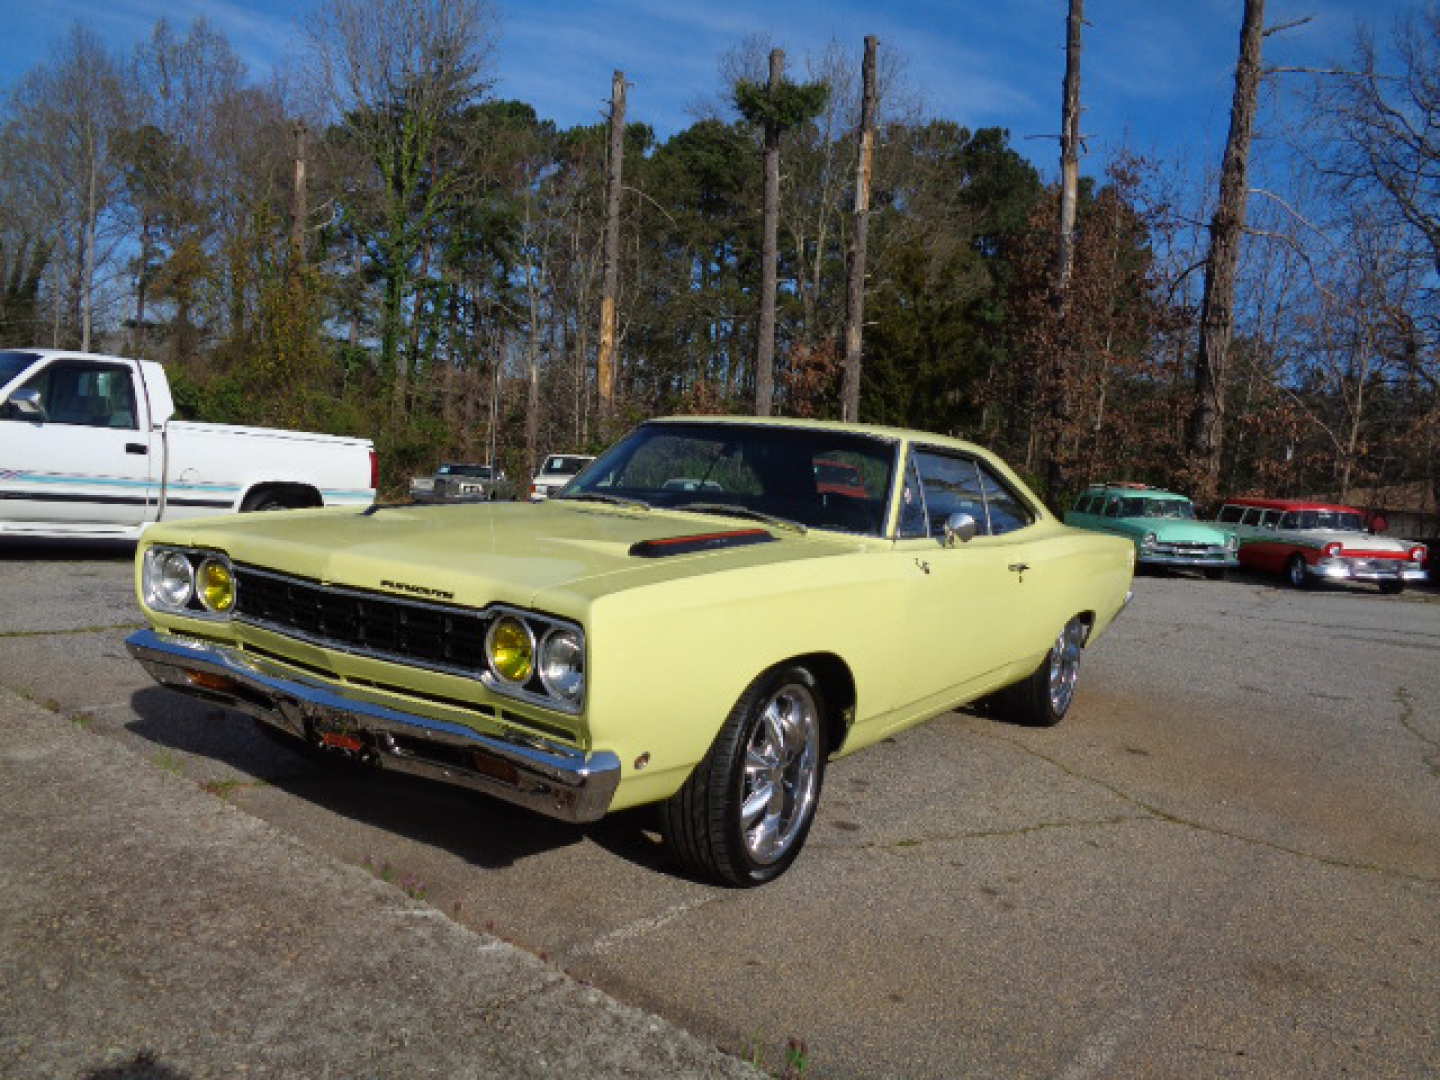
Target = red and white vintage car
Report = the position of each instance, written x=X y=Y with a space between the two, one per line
x=1314 y=541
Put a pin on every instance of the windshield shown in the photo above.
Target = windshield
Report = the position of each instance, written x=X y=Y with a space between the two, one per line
x=564 y=464
x=12 y=363
x=482 y=471
x=1323 y=519
x=818 y=478
x=1157 y=508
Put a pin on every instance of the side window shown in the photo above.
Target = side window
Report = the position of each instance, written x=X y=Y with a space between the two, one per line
x=1290 y=520
x=960 y=485
x=1252 y=516
x=87 y=395
x=1006 y=510
x=1231 y=514
x=1270 y=518
x=1112 y=506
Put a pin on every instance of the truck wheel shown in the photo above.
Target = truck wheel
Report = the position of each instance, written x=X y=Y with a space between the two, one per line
x=1044 y=697
x=744 y=812
x=264 y=500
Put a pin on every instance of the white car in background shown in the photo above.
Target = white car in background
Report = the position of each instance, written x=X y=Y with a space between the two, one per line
x=558 y=470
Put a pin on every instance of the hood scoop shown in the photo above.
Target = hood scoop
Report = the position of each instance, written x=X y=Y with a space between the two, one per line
x=686 y=545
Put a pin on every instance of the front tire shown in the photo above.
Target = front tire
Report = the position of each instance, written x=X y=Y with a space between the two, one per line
x=743 y=814
x=1044 y=697
x=1295 y=572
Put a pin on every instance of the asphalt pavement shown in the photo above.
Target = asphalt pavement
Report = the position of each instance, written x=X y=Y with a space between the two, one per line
x=1223 y=863
x=151 y=931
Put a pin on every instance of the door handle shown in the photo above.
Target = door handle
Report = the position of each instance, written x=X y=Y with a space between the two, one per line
x=1019 y=567
x=136 y=448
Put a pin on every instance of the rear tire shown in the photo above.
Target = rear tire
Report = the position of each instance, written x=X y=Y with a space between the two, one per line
x=1044 y=697
x=743 y=814
x=262 y=501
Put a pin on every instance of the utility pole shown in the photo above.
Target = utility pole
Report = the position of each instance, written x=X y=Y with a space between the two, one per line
x=769 y=252
x=855 y=263
x=605 y=364
x=1069 y=156
x=1217 y=310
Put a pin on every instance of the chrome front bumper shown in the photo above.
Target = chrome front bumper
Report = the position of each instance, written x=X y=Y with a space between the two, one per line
x=1364 y=570
x=1226 y=560
x=539 y=774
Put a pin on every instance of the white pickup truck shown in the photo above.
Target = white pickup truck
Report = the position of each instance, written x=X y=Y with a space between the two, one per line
x=88 y=449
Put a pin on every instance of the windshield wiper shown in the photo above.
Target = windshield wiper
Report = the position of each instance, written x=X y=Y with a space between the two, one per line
x=745 y=512
x=613 y=500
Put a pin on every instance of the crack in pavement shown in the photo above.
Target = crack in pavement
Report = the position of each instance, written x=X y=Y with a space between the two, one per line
x=70 y=630
x=1407 y=721
x=979 y=834
x=1214 y=830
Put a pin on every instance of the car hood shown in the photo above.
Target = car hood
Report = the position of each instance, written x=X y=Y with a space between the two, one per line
x=1169 y=531
x=504 y=552
x=1352 y=541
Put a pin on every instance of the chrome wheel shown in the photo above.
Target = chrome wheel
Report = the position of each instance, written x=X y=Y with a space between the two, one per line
x=1298 y=577
x=780 y=776
x=1065 y=666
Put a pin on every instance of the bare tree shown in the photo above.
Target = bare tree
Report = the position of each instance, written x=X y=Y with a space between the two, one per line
x=395 y=73
x=67 y=113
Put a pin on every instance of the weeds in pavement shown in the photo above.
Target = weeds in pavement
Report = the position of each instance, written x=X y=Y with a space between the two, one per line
x=409 y=884
x=796 y=1059
x=169 y=762
x=82 y=720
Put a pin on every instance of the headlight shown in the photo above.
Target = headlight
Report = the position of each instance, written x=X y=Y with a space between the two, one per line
x=562 y=664
x=169 y=579
x=215 y=584
x=1232 y=541
x=1149 y=540
x=510 y=650
x=1331 y=550
x=200 y=584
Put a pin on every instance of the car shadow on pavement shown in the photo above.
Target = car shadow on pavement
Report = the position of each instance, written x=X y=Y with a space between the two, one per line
x=484 y=831
x=25 y=549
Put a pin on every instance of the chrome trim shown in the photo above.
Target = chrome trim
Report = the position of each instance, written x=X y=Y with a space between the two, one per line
x=550 y=778
x=1227 y=558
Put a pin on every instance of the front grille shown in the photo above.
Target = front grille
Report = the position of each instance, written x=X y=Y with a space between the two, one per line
x=368 y=623
x=1192 y=549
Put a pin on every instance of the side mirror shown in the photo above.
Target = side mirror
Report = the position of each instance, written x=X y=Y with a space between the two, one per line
x=27 y=403
x=959 y=527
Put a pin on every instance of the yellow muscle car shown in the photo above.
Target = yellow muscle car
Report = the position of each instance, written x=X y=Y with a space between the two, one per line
x=700 y=621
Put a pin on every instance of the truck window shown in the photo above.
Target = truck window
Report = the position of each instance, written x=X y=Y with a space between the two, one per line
x=88 y=395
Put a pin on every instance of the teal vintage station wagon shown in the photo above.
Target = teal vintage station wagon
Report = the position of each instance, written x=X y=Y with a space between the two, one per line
x=1161 y=525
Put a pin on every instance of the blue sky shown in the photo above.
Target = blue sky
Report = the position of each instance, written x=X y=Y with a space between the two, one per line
x=1157 y=73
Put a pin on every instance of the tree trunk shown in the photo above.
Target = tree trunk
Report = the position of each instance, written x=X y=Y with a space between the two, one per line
x=605 y=363
x=1217 y=311
x=765 y=341
x=1069 y=155
x=299 y=200
x=855 y=264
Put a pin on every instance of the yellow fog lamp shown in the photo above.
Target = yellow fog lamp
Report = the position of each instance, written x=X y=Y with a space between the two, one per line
x=510 y=650
x=215 y=585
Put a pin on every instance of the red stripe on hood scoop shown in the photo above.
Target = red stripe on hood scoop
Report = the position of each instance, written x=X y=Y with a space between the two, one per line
x=684 y=545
